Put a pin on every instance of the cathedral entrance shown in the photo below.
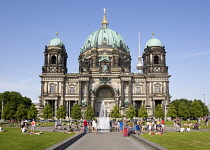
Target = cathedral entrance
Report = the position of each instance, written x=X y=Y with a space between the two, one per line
x=106 y=94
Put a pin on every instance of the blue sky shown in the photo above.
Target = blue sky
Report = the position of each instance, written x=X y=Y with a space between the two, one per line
x=182 y=26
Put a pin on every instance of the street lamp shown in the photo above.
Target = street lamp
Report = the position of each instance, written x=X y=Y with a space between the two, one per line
x=204 y=98
x=165 y=109
x=2 y=109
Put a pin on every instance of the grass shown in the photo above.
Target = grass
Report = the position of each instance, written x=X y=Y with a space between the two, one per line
x=181 y=140
x=12 y=138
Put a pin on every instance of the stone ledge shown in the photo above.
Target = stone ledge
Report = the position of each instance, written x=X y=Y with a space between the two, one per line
x=67 y=142
x=147 y=143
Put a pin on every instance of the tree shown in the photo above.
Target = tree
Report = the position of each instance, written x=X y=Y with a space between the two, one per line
x=115 y=113
x=11 y=102
x=61 y=112
x=159 y=113
x=196 y=110
x=131 y=113
x=179 y=102
x=9 y=111
x=172 y=111
x=21 y=112
x=183 y=111
x=33 y=112
x=47 y=112
x=76 y=112
x=142 y=112
x=204 y=108
x=89 y=113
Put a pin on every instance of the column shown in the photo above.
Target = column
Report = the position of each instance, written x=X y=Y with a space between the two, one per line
x=62 y=93
x=87 y=94
x=151 y=60
x=167 y=92
x=147 y=93
x=80 y=92
x=42 y=93
x=122 y=94
x=56 y=106
x=129 y=92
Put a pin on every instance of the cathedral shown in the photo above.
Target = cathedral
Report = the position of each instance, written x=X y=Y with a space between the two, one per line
x=105 y=75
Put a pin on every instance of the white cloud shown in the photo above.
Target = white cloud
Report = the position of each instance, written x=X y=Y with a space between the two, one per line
x=195 y=54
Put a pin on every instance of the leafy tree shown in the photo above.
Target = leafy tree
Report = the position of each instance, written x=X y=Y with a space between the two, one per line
x=183 y=111
x=142 y=112
x=172 y=111
x=159 y=113
x=89 y=113
x=11 y=102
x=9 y=111
x=21 y=112
x=206 y=111
x=47 y=112
x=26 y=101
x=115 y=113
x=196 y=110
x=61 y=112
x=76 y=112
x=179 y=102
x=33 y=112
x=131 y=113
x=204 y=108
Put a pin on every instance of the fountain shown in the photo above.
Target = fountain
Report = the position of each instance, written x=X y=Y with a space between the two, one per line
x=103 y=121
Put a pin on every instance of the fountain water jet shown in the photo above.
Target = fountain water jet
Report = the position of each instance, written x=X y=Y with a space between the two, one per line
x=103 y=121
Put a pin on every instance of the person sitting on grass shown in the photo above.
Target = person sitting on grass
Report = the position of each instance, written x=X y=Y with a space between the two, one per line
x=195 y=126
x=1 y=129
x=24 y=129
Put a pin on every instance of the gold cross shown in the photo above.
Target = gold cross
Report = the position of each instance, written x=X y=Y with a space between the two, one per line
x=104 y=10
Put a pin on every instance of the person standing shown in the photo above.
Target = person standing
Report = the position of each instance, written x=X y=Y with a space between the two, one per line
x=85 y=126
x=121 y=126
x=21 y=125
x=33 y=125
x=206 y=121
x=94 y=126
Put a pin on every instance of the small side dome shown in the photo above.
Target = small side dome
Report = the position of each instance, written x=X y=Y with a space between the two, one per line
x=153 y=42
x=56 y=42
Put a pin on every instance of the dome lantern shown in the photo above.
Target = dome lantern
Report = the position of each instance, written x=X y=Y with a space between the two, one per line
x=55 y=41
x=153 y=42
x=104 y=22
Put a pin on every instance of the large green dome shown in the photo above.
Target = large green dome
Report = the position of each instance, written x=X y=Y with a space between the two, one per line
x=104 y=36
x=55 y=42
x=153 y=42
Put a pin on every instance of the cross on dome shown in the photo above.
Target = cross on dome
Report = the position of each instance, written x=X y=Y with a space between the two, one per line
x=104 y=22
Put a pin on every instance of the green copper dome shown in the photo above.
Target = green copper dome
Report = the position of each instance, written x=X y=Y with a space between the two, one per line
x=104 y=36
x=153 y=42
x=55 y=42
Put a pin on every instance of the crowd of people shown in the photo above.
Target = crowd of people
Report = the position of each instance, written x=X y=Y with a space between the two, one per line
x=134 y=126
x=137 y=126
x=185 y=127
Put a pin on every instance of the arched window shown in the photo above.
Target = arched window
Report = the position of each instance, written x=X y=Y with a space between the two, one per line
x=53 y=60
x=138 y=90
x=72 y=90
x=156 y=59
x=105 y=92
x=52 y=89
x=157 y=89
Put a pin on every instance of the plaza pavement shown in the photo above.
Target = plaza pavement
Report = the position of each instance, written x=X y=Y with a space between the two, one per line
x=106 y=140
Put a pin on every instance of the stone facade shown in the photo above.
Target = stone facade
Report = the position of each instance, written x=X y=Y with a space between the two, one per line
x=104 y=75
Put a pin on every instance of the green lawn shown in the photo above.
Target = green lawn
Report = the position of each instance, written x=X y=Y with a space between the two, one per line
x=181 y=140
x=14 y=139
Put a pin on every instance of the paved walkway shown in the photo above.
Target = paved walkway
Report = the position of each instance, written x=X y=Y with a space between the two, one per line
x=106 y=141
